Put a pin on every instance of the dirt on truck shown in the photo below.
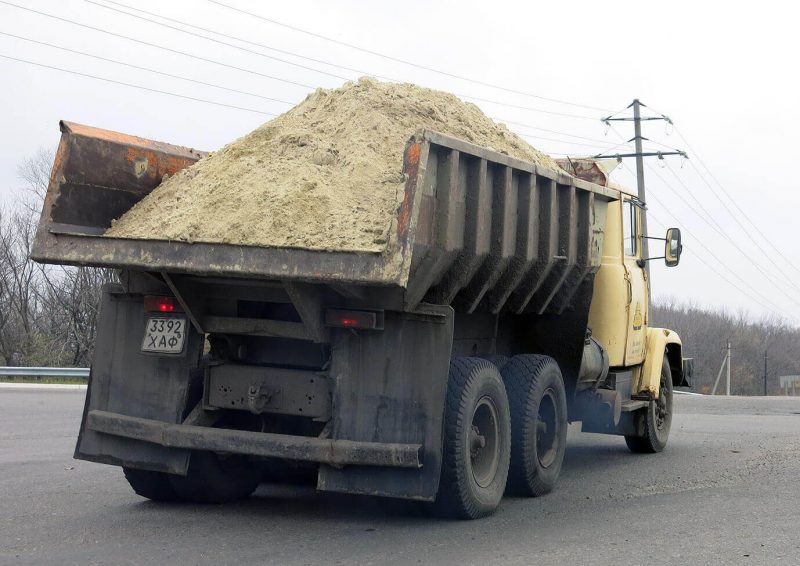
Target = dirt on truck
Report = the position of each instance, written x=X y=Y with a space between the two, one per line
x=381 y=291
x=327 y=174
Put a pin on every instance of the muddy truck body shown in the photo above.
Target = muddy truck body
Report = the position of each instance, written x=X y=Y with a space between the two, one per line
x=510 y=300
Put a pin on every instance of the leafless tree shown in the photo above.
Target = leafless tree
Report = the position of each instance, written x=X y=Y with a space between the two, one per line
x=48 y=314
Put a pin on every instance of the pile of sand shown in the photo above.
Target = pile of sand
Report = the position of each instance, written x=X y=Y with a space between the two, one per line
x=326 y=175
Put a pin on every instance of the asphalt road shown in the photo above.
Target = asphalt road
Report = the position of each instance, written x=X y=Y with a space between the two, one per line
x=726 y=490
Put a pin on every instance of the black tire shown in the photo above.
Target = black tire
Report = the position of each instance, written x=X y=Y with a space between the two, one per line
x=214 y=478
x=499 y=360
x=152 y=485
x=539 y=423
x=476 y=447
x=654 y=421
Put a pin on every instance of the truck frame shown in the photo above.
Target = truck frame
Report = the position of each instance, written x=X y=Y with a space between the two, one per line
x=443 y=370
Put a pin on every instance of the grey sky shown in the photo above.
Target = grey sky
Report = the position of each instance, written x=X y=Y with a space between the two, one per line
x=725 y=76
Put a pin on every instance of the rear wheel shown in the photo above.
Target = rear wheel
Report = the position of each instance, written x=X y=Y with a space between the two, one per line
x=216 y=478
x=538 y=423
x=149 y=484
x=477 y=441
x=499 y=360
x=655 y=421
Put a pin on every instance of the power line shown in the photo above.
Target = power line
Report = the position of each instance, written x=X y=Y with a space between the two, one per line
x=132 y=66
x=559 y=141
x=105 y=79
x=772 y=261
x=732 y=200
x=180 y=77
x=190 y=55
x=239 y=47
x=599 y=141
x=763 y=299
x=322 y=61
x=725 y=236
x=255 y=43
x=404 y=61
x=774 y=308
x=162 y=47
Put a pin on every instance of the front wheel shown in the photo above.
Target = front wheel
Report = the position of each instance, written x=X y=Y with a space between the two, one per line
x=654 y=422
x=476 y=446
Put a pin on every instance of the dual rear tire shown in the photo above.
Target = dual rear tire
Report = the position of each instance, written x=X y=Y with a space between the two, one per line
x=211 y=478
x=504 y=431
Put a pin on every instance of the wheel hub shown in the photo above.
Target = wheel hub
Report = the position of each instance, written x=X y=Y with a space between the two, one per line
x=547 y=437
x=661 y=408
x=483 y=442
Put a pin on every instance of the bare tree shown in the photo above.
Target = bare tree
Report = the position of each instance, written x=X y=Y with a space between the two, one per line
x=48 y=314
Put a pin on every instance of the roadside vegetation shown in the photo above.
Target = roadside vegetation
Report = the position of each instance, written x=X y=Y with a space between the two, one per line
x=48 y=314
x=705 y=333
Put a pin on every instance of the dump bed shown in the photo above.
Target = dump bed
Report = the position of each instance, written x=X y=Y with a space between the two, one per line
x=476 y=228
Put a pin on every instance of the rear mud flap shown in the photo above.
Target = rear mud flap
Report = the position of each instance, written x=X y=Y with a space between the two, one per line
x=390 y=387
x=124 y=380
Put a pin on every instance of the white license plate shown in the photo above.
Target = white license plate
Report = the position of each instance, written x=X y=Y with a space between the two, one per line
x=164 y=335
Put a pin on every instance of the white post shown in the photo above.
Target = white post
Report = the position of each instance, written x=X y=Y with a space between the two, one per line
x=728 y=378
x=719 y=374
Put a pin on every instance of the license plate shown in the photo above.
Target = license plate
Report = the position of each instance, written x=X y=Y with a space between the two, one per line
x=164 y=335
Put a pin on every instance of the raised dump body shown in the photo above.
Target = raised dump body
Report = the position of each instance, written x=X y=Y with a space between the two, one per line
x=476 y=228
x=406 y=373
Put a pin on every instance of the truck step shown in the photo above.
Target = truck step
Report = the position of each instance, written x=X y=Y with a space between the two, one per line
x=633 y=405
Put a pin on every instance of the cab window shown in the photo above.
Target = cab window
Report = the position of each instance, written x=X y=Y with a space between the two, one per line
x=629 y=221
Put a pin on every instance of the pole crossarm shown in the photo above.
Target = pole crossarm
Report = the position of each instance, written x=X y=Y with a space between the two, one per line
x=630 y=119
x=658 y=154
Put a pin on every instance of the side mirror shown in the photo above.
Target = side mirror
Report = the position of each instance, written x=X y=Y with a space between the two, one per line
x=673 y=247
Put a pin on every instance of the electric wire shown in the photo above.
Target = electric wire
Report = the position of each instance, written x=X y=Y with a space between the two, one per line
x=234 y=46
x=696 y=157
x=147 y=69
x=154 y=45
x=787 y=277
x=132 y=85
x=351 y=69
x=150 y=44
x=717 y=272
x=732 y=200
x=726 y=237
x=404 y=61
x=755 y=292
x=714 y=225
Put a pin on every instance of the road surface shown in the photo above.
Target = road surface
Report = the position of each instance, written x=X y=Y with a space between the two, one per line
x=726 y=490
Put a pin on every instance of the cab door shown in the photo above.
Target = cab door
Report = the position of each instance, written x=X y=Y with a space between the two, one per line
x=637 y=283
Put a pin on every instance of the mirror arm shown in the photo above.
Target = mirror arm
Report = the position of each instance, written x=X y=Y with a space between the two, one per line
x=642 y=261
x=654 y=238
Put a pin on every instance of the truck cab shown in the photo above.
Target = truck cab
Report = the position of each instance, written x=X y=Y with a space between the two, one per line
x=644 y=362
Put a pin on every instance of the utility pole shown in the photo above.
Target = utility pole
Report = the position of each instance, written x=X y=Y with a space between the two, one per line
x=637 y=139
x=726 y=364
x=765 y=373
x=637 y=120
x=728 y=379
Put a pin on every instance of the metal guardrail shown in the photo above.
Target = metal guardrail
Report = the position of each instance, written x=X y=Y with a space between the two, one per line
x=8 y=371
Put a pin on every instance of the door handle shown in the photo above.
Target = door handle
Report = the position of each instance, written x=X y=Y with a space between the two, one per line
x=630 y=288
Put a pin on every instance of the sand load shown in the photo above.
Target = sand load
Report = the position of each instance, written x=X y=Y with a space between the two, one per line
x=326 y=175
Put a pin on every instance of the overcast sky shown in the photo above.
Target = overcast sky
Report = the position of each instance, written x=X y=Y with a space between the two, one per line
x=726 y=77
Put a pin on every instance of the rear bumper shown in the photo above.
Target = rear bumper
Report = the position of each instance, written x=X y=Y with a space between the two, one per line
x=322 y=450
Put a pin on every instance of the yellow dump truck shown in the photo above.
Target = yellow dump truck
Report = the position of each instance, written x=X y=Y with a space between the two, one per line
x=510 y=300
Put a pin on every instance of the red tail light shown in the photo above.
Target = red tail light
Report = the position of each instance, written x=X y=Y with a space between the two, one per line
x=161 y=304
x=343 y=318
